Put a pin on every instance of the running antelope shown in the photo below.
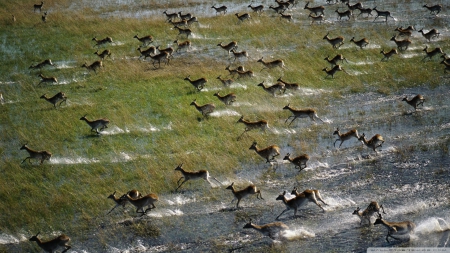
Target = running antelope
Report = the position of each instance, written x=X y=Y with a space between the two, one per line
x=228 y=47
x=316 y=10
x=249 y=190
x=385 y=14
x=276 y=88
x=291 y=86
x=243 y=17
x=347 y=13
x=269 y=153
x=297 y=201
x=375 y=142
x=225 y=82
x=314 y=19
x=145 y=39
x=338 y=58
x=435 y=9
x=242 y=54
x=288 y=17
x=432 y=53
x=187 y=175
x=250 y=125
x=433 y=33
x=147 y=53
x=199 y=84
x=96 y=124
x=331 y=72
x=401 y=44
x=285 y=4
x=102 y=41
x=354 y=6
x=247 y=73
x=183 y=45
x=59 y=97
x=335 y=42
x=180 y=23
x=298 y=161
x=271 y=230
x=54 y=244
x=233 y=72
x=191 y=21
x=403 y=32
x=367 y=11
x=104 y=54
x=168 y=50
x=371 y=209
x=387 y=55
x=345 y=136
x=205 y=109
x=49 y=79
x=415 y=101
x=42 y=64
x=316 y=194
x=447 y=66
x=38 y=7
x=44 y=17
x=122 y=201
x=170 y=16
x=278 y=9
x=142 y=202
x=222 y=9
x=33 y=154
x=185 y=31
x=227 y=99
x=311 y=113
x=94 y=66
x=159 y=57
x=272 y=64
x=184 y=16
x=258 y=9
x=360 y=43
x=396 y=228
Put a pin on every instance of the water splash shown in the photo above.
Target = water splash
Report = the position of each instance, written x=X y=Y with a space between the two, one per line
x=76 y=160
x=297 y=233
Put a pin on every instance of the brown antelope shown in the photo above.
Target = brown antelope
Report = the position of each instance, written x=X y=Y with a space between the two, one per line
x=228 y=47
x=347 y=13
x=250 y=125
x=272 y=64
x=199 y=84
x=297 y=201
x=345 y=136
x=243 y=17
x=191 y=21
x=228 y=99
x=278 y=9
x=122 y=201
x=403 y=32
x=145 y=39
x=311 y=113
x=54 y=244
x=401 y=44
x=335 y=42
x=307 y=192
x=60 y=96
x=354 y=6
x=94 y=66
x=104 y=54
x=409 y=28
x=258 y=9
x=184 y=16
x=314 y=19
x=415 y=101
x=385 y=14
x=180 y=23
x=433 y=33
x=38 y=7
x=49 y=79
x=183 y=45
x=291 y=86
x=332 y=71
x=205 y=109
x=435 y=9
x=432 y=53
x=233 y=72
x=298 y=161
x=102 y=41
x=187 y=175
x=387 y=55
x=360 y=43
x=269 y=153
x=316 y=10
x=44 y=17
x=159 y=57
x=185 y=31
x=42 y=64
x=225 y=82
x=367 y=11
x=222 y=9
x=33 y=154
x=242 y=54
x=285 y=4
x=142 y=202
x=371 y=209
x=249 y=190
x=247 y=73
x=447 y=66
x=271 y=230
x=170 y=16
x=276 y=88
x=288 y=17
x=147 y=53
x=96 y=124
x=168 y=50
x=396 y=228
x=335 y=60
x=375 y=142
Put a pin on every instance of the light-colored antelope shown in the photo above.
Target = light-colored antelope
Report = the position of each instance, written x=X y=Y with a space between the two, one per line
x=170 y=16
x=94 y=66
x=291 y=86
x=159 y=57
x=184 y=16
x=316 y=10
x=347 y=13
x=278 y=9
x=54 y=244
x=312 y=193
x=183 y=45
x=335 y=42
x=239 y=194
x=269 y=153
x=371 y=209
x=288 y=17
x=60 y=97
x=33 y=154
x=385 y=14
x=432 y=53
x=396 y=228
x=199 y=84
x=331 y=72
x=435 y=9
x=142 y=202
x=188 y=175
x=222 y=9
x=168 y=50
x=47 y=79
x=272 y=64
x=258 y=9
x=360 y=43
x=447 y=66
x=239 y=55
x=335 y=60
x=299 y=161
x=38 y=7
x=299 y=200
x=297 y=113
x=147 y=53
x=345 y=136
x=250 y=125
x=225 y=82
x=403 y=32
x=271 y=230
x=42 y=64
x=185 y=31
x=279 y=87
x=228 y=47
x=104 y=54
x=433 y=33
x=415 y=101
x=243 y=17
x=401 y=44
x=205 y=109
x=228 y=99
x=144 y=39
x=102 y=41
x=318 y=18
x=367 y=11
x=96 y=124
x=123 y=201
x=387 y=55
x=375 y=142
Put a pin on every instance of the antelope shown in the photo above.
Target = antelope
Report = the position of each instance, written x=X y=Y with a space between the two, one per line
x=60 y=96
x=159 y=57
x=278 y=9
x=258 y=9
x=345 y=136
x=191 y=21
x=38 y=7
x=272 y=64
x=142 y=202
x=444 y=57
x=292 y=2
x=222 y=9
x=316 y=194
x=409 y=28
x=387 y=55
x=185 y=31
x=225 y=82
x=394 y=228
x=401 y=44
x=432 y=53
x=199 y=84
x=360 y=43
x=122 y=201
x=171 y=16
x=147 y=53
x=181 y=45
x=228 y=47
x=314 y=19
x=145 y=39
x=104 y=54
x=435 y=9
x=251 y=189
x=447 y=66
x=367 y=11
x=335 y=42
x=182 y=22
x=332 y=71
x=187 y=175
x=297 y=201
x=96 y=124
x=102 y=41
x=168 y=50
x=288 y=17
x=33 y=154
x=278 y=87
x=415 y=101
x=403 y=32
x=269 y=153
x=184 y=16
x=243 y=17
x=44 y=17
x=284 y=4
x=316 y=10
x=247 y=73
x=298 y=161
x=227 y=99
x=94 y=66
x=311 y=113
x=291 y=86
x=433 y=33
x=49 y=79
x=233 y=72
x=368 y=212
x=239 y=55
x=375 y=142
x=205 y=109
x=42 y=64
x=385 y=14
x=338 y=58
x=354 y=6
x=250 y=125
x=347 y=13
x=272 y=229
x=54 y=244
